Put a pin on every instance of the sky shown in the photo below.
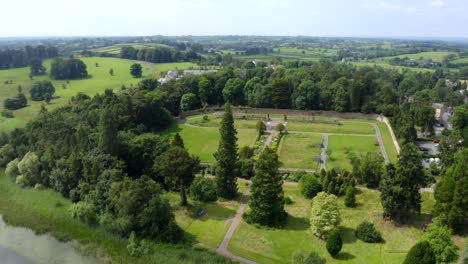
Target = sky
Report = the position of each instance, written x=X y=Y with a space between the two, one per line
x=345 y=18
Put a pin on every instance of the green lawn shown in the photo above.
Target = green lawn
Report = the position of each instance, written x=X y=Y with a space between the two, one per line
x=388 y=142
x=203 y=141
x=386 y=65
x=99 y=81
x=341 y=145
x=460 y=60
x=278 y=245
x=215 y=121
x=347 y=127
x=46 y=211
x=299 y=150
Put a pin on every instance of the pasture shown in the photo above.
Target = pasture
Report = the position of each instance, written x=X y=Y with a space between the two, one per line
x=265 y=245
x=98 y=81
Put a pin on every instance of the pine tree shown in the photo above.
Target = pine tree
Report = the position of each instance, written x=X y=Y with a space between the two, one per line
x=350 y=198
x=177 y=141
x=267 y=198
x=400 y=186
x=334 y=243
x=226 y=157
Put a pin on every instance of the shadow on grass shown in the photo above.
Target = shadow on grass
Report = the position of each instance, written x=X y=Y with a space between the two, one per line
x=347 y=234
x=297 y=223
x=344 y=256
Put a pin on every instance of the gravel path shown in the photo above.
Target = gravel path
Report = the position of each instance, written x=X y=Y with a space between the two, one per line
x=223 y=248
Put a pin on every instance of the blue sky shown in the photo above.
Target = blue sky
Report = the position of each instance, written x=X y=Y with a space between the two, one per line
x=364 y=18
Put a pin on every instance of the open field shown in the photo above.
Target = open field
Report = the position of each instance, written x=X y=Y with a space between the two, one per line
x=47 y=211
x=203 y=141
x=342 y=145
x=385 y=65
x=278 y=245
x=432 y=55
x=460 y=61
x=299 y=150
x=99 y=80
x=115 y=49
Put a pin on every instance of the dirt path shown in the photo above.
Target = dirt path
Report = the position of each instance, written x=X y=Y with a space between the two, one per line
x=223 y=247
x=268 y=141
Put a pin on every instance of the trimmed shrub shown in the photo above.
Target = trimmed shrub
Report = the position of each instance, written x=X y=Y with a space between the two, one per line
x=310 y=185
x=334 y=243
x=203 y=189
x=421 y=253
x=350 y=197
x=366 y=232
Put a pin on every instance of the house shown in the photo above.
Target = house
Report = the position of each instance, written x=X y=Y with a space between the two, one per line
x=198 y=72
x=443 y=114
x=171 y=75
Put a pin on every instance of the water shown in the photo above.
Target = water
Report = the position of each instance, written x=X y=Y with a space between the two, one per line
x=20 y=245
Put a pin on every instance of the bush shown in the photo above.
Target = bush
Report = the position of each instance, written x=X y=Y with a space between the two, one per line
x=246 y=168
x=300 y=257
x=288 y=200
x=42 y=90
x=12 y=169
x=366 y=232
x=21 y=181
x=334 y=243
x=246 y=152
x=17 y=102
x=279 y=127
x=421 y=253
x=350 y=198
x=8 y=114
x=7 y=153
x=310 y=185
x=85 y=212
x=29 y=168
x=203 y=189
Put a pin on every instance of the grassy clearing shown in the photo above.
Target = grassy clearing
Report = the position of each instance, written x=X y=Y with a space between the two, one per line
x=429 y=55
x=99 y=80
x=348 y=127
x=342 y=145
x=115 y=49
x=278 y=245
x=203 y=141
x=46 y=211
x=299 y=150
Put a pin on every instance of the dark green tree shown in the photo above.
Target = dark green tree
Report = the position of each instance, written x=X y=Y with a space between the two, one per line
x=226 y=156
x=334 y=243
x=41 y=90
x=189 y=101
x=233 y=92
x=310 y=185
x=371 y=169
x=108 y=129
x=36 y=67
x=421 y=253
x=136 y=70
x=177 y=141
x=350 y=197
x=267 y=196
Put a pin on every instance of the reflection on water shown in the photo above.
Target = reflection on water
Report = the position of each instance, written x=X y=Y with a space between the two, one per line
x=20 y=245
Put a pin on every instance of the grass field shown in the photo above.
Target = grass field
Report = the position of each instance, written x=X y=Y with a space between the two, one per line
x=99 y=81
x=203 y=141
x=214 y=121
x=385 y=65
x=278 y=245
x=115 y=49
x=460 y=60
x=347 y=127
x=341 y=145
x=432 y=55
x=46 y=211
x=299 y=150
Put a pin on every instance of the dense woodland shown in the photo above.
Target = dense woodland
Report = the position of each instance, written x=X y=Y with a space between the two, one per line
x=15 y=58
x=158 y=55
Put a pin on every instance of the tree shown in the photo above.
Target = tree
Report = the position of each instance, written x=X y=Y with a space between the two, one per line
x=451 y=192
x=324 y=216
x=41 y=90
x=108 y=129
x=372 y=167
x=350 y=197
x=280 y=94
x=246 y=152
x=279 y=127
x=421 y=253
x=226 y=156
x=267 y=196
x=111 y=72
x=136 y=70
x=178 y=169
x=439 y=238
x=7 y=154
x=68 y=69
x=367 y=233
x=261 y=127
x=12 y=169
x=334 y=243
x=425 y=118
x=400 y=186
x=203 y=189
x=310 y=185
x=177 y=141
x=36 y=67
x=29 y=169
x=19 y=101
x=189 y=102
x=233 y=91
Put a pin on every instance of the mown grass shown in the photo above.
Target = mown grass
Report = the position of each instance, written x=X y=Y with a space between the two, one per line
x=203 y=141
x=278 y=245
x=46 y=211
x=299 y=150
x=99 y=80
x=340 y=127
x=341 y=146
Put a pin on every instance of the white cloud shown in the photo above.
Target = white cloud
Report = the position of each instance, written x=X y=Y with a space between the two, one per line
x=437 y=3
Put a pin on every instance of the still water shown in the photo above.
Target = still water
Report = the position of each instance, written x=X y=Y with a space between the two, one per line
x=20 y=245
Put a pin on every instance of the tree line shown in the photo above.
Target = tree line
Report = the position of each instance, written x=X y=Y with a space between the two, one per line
x=158 y=54
x=15 y=58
